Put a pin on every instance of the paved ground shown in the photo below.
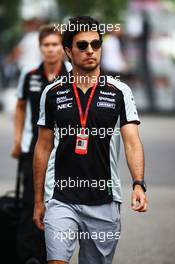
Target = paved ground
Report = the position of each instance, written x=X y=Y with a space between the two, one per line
x=146 y=238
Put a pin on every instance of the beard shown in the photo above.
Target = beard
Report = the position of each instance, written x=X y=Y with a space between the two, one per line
x=87 y=68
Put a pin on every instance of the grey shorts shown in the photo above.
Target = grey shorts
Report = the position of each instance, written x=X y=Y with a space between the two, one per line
x=97 y=228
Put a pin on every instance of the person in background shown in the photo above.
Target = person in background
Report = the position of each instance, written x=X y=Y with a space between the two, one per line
x=113 y=61
x=31 y=85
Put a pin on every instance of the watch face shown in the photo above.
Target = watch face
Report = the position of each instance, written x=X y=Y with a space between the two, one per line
x=141 y=183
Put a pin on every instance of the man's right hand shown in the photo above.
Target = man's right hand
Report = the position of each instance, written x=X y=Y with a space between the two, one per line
x=38 y=215
x=16 y=151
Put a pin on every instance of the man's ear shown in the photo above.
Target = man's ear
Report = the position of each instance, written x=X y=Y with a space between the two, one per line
x=68 y=52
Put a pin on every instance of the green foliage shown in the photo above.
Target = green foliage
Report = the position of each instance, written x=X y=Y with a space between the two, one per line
x=105 y=10
x=8 y=13
x=9 y=24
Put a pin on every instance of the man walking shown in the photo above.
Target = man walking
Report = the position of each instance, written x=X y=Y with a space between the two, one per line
x=30 y=88
x=76 y=178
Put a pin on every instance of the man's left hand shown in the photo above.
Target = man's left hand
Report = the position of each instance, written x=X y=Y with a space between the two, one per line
x=139 y=201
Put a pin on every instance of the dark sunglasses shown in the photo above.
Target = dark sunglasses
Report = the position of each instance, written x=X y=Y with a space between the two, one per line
x=95 y=44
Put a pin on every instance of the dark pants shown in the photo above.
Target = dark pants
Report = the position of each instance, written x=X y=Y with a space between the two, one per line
x=30 y=240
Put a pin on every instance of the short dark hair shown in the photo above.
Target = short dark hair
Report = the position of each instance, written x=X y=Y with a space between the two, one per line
x=46 y=30
x=75 y=26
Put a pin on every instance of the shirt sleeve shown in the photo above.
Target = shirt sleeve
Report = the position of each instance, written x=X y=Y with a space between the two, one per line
x=46 y=112
x=23 y=86
x=128 y=112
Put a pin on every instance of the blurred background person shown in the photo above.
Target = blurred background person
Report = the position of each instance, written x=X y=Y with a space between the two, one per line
x=31 y=85
x=113 y=61
x=20 y=46
x=27 y=50
x=33 y=15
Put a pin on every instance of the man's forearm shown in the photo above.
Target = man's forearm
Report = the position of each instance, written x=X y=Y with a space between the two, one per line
x=135 y=160
x=19 y=122
x=41 y=158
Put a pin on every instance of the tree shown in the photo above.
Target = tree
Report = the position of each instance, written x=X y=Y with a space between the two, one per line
x=107 y=11
x=8 y=13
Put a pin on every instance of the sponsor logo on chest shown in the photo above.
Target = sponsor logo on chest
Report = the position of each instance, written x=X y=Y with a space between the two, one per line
x=63 y=92
x=107 y=93
x=106 y=105
x=101 y=98
x=106 y=100
x=35 y=84
x=64 y=101
x=64 y=106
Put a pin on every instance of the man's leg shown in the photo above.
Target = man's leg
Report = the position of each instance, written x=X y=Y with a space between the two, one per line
x=102 y=223
x=28 y=185
x=60 y=228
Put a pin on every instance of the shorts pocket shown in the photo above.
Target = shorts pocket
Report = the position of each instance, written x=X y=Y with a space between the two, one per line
x=115 y=207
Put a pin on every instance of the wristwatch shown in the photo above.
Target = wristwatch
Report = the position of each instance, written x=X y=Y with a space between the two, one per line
x=142 y=183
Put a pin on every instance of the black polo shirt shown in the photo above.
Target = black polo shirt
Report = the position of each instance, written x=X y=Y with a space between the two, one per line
x=93 y=178
x=31 y=85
